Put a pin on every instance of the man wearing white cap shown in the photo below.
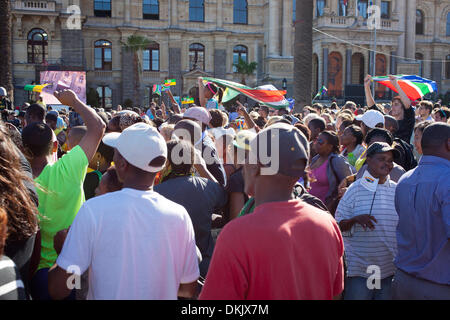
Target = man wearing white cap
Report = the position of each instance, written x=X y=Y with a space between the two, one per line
x=371 y=119
x=135 y=243
x=5 y=103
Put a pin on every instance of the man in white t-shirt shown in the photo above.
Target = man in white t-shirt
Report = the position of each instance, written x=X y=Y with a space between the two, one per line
x=135 y=243
x=368 y=220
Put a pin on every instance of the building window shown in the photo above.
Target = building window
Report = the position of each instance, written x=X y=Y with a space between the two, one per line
x=197 y=10
x=343 y=8
x=362 y=8
x=419 y=22
x=105 y=95
x=239 y=52
x=196 y=56
x=102 y=55
x=447 y=67
x=151 y=58
x=448 y=25
x=37 y=46
x=102 y=8
x=240 y=12
x=385 y=9
x=150 y=9
x=320 y=5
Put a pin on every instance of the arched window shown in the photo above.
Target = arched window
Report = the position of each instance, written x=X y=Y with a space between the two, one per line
x=105 y=95
x=385 y=9
x=197 y=10
x=102 y=8
x=419 y=22
x=102 y=55
x=150 y=9
x=37 y=46
x=151 y=58
x=240 y=12
x=239 y=52
x=448 y=25
x=447 y=67
x=320 y=5
x=196 y=56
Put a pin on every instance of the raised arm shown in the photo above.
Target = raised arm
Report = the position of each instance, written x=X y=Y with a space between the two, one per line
x=406 y=101
x=248 y=120
x=175 y=106
x=94 y=124
x=369 y=97
x=201 y=92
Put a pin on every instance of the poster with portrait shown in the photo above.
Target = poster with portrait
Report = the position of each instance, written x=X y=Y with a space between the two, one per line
x=58 y=80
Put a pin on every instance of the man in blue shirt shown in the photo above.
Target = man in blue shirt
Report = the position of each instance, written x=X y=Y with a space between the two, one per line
x=422 y=201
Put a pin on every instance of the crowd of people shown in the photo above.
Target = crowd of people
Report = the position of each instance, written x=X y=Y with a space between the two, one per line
x=212 y=203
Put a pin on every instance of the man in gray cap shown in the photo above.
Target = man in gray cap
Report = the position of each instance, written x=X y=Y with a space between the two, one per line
x=285 y=249
x=368 y=219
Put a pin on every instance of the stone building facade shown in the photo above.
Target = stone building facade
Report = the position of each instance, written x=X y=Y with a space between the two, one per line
x=204 y=38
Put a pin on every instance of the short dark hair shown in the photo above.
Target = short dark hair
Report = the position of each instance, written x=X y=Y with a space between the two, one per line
x=51 y=117
x=106 y=151
x=216 y=118
x=422 y=125
x=37 y=139
x=435 y=135
x=333 y=139
x=357 y=133
x=304 y=129
x=35 y=112
x=427 y=105
x=380 y=132
x=318 y=123
x=184 y=148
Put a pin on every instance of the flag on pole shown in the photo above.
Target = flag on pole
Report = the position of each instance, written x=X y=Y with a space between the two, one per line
x=266 y=94
x=414 y=87
x=156 y=89
x=187 y=100
x=35 y=87
x=321 y=92
x=170 y=82
x=165 y=87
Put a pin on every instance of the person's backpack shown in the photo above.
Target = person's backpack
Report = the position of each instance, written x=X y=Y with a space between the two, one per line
x=406 y=159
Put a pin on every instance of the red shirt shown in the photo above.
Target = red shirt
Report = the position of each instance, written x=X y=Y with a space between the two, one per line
x=282 y=251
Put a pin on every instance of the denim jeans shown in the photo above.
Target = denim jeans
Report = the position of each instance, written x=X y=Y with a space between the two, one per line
x=39 y=286
x=356 y=289
x=408 y=287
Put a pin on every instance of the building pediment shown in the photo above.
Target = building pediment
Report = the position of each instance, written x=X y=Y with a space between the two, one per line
x=196 y=73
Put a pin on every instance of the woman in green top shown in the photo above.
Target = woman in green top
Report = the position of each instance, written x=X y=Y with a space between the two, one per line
x=352 y=140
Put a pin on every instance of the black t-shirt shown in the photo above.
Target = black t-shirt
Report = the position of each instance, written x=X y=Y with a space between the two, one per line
x=215 y=168
x=406 y=126
x=200 y=197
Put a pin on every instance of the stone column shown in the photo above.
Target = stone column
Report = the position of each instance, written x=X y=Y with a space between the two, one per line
x=219 y=14
x=274 y=24
x=174 y=12
x=410 y=45
x=325 y=67
x=393 y=63
x=175 y=62
x=127 y=11
x=287 y=28
x=348 y=66
x=399 y=8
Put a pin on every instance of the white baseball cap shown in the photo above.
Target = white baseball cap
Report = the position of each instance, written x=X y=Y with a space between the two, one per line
x=371 y=118
x=139 y=144
x=3 y=92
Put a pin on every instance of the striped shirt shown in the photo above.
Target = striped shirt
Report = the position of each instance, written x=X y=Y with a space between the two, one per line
x=11 y=286
x=371 y=247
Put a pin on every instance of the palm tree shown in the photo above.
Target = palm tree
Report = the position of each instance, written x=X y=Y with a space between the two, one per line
x=135 y=44
x=5 y=47
x=303 y=53
x=245 y=69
